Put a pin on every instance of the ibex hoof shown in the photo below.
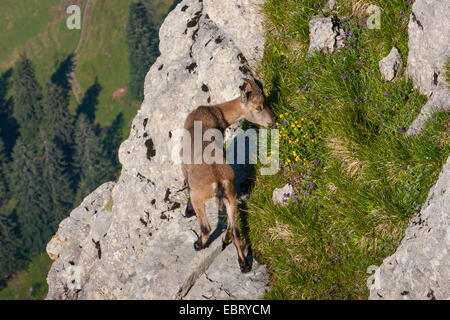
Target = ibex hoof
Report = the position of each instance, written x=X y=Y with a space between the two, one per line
x=245 y=267
x=198 y=245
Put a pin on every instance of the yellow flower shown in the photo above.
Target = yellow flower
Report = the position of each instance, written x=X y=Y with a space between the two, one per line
x=281 y=116
x=286 y=114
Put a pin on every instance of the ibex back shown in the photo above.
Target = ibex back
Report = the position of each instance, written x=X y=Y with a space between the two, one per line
x=206 y=181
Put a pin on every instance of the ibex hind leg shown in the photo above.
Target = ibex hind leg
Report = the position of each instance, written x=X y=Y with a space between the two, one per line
x=230 y=202
x=198 y=203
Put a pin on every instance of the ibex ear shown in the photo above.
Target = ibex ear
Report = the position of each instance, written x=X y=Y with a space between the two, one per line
x=246 y=91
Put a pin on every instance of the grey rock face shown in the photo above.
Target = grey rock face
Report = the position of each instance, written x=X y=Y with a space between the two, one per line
x=429 y=47
x=325 y=35
x=223 y=280
x=141 y=245
x=280 y=195
x=390 y=66
x=77 y=239
x=240 y=19
x=420 y=267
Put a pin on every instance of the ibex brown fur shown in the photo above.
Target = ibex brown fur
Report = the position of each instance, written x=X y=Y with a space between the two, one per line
x=206 y=181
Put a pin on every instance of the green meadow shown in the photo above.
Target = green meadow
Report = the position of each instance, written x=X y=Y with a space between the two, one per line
x=38 y=28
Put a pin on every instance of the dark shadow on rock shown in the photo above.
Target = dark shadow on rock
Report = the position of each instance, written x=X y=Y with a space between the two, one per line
x=90 y=101
x=221 y=225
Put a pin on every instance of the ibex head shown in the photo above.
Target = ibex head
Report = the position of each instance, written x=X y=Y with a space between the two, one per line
x=253 y=104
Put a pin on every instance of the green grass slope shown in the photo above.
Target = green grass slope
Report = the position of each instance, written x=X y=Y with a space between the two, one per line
x=359 y=179
x=37 y=27
x=105 y=57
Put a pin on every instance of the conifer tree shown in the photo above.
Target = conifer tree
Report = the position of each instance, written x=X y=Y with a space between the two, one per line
x=8 y=239
x=56 y=144
x=8 y=124
x=94 y=168
x=8 y=249
x=33 y=205
x=3 y=182
x=113 y=139
x=143 y=47
x=27 y=100
x=57 y=180
x=58 y=122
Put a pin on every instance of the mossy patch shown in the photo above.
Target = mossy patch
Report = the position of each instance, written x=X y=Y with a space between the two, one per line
x=109 y=205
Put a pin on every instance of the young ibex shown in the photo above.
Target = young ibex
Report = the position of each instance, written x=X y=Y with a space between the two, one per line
x=206 y=181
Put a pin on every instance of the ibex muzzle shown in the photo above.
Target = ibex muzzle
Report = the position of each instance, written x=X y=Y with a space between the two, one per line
x=206 y=181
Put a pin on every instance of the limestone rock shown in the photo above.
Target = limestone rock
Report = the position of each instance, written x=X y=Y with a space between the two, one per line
x=239 y=19
x=141 y=245
x=390 y=66
x=329 y=6
x=223 y=280
x=77 y=239
x=420 y=267
x=325 y=35
x=429 y=48
x=280 y=195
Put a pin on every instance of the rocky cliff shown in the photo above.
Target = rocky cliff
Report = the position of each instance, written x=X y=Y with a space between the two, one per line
x=129 y=239
x=429 y=49
x=420 y=267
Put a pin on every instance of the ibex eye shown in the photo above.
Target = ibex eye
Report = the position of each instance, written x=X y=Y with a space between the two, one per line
x=259 y=108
